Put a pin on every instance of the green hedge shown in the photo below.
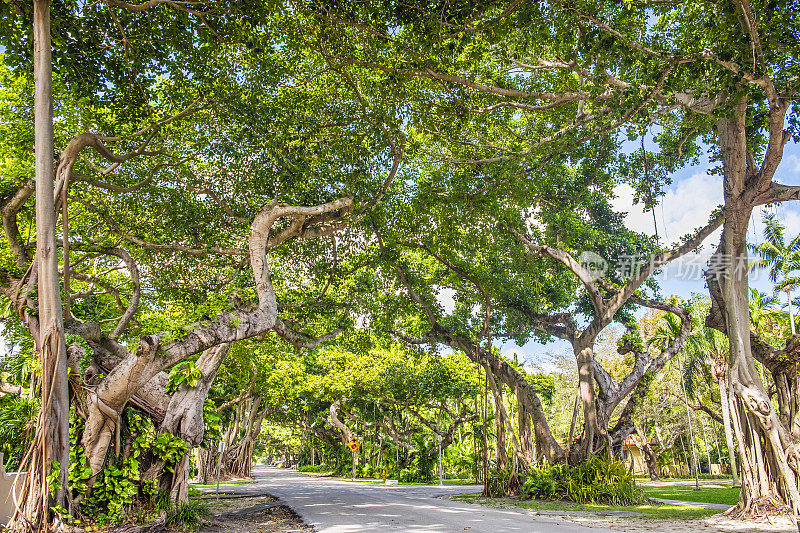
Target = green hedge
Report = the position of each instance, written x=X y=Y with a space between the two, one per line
x=318 y=469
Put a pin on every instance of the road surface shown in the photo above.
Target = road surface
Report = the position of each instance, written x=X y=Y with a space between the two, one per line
x=334 y=506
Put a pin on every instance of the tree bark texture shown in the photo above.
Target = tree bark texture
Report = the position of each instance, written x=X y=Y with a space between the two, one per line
x=239 y=458
x=184 y=417
x=51 y=439
x=768 y=451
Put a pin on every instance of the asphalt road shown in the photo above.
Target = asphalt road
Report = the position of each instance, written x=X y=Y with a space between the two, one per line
x=333 y=506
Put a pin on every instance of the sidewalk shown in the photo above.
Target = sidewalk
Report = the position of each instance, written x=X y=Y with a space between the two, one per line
x=718 y=506
x=684 y=482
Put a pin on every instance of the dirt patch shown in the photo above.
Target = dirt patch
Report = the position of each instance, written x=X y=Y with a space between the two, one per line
x=712 y=524
x=260 y=514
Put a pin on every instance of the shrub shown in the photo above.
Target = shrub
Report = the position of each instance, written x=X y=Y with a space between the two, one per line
x=16 y=420
x=407 y=475
x=594 y=481
x=539 y=484
x=314 y=469
x=497 y=482
x=366 y=470
x=343 y=469
x=118 y=489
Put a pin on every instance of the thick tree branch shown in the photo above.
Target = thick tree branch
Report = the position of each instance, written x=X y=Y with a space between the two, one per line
x=347 y=435
x=585 y=277
x=561 y=325
x=644 y=364
x=301 y=340
x=716 y=417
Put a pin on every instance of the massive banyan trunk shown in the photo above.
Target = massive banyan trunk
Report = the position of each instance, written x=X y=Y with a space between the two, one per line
x=525 y=429
x=500 y=421
x=105 y=403
x=584 y=355
x=133 y=373
x=239 y=458
x=768 y=441
x=526 y=396
x=184 y=419
x=766 y=447
x=769 y=451
x=721 y=377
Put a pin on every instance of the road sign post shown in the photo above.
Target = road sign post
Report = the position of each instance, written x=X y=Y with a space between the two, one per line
x=221 y=449
x=353 y=445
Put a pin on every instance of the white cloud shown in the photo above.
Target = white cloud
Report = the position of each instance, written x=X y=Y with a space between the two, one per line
x=791 y=219
x=636 y=219
x=685 y=207
x=791 y=164
x=688 y=203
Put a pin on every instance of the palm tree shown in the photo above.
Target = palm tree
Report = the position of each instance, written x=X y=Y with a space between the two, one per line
x=706 y=349
x=709 y=346
x=782 y=259
x=763 y=314
x=668 y=329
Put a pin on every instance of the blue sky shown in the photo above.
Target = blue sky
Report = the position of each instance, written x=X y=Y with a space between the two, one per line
x=687 y=204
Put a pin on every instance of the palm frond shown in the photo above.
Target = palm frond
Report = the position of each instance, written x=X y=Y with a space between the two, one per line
x=773 y=230
x=794 y=244
x=788 y=284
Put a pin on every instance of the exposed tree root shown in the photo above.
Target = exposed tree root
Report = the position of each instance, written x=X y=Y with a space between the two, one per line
x=153 y=526
x=759 y=508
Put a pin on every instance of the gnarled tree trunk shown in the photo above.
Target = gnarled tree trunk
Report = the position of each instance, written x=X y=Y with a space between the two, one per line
x=184 y=417
x=239 y=458
x=500 y=419
x=525 y=431
x=650 y=457
x=721 y=375
x=768 y=451
x=591 y=429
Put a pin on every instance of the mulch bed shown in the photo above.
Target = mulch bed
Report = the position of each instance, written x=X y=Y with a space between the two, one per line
x=261 y=514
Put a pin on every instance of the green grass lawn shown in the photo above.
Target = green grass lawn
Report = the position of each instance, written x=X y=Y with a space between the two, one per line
x=459 y=481
x=707 y=493
x=702 y=477
x=648 y=511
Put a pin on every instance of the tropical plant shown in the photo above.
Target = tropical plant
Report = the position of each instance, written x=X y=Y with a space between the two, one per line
x=766 y=319
x=17 y=418
x=781 y=258
x=706 y=352
x=594 y=481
